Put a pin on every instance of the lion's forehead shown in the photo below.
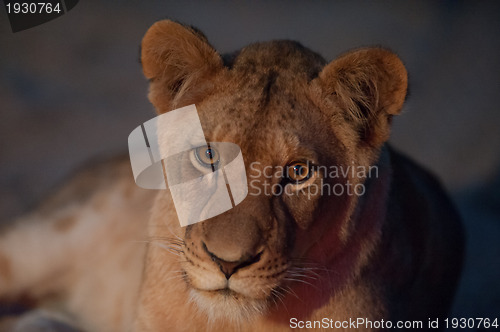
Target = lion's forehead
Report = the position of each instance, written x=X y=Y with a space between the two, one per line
x=266 y=135
x=272 y=116
x=263 y=102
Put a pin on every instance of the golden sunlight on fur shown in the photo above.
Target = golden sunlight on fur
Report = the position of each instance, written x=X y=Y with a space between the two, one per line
x=106 y=255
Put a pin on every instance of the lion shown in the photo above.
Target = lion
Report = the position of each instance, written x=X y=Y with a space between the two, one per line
x=102 y=254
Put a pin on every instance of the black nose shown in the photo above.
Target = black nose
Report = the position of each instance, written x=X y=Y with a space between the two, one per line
x=229 y=268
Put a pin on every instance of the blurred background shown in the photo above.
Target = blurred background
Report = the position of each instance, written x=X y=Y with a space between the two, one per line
x=72 y=90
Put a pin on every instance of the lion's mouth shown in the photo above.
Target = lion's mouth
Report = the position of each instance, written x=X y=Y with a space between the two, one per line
x=225 y=292
x=244 y=289
x=226 y=304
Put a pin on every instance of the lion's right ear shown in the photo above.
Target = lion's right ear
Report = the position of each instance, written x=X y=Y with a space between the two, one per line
x=369 y=85
x=179 y=62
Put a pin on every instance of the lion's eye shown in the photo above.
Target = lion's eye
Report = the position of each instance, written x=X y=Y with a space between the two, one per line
x=207 y=156
x=298 y=172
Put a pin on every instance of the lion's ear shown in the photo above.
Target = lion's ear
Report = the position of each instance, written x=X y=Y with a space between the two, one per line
x=370 y=87
x=179 y=63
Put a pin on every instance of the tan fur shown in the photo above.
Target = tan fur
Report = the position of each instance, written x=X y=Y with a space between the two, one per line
x=5 y=268
x=65 y=224
x=392 y=253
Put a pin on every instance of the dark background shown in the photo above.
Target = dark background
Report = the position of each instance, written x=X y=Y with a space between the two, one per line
x=72 y=89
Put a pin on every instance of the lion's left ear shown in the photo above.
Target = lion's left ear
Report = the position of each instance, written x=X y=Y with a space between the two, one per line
x=179 y=62
x=370 y=86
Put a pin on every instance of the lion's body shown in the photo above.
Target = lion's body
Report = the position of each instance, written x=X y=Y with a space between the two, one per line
x=118 y=258
x=81 y=251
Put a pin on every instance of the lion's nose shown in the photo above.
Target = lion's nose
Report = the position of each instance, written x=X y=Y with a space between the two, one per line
x=229 y=268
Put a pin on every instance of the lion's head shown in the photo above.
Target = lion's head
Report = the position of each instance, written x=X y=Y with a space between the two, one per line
x=293 y=116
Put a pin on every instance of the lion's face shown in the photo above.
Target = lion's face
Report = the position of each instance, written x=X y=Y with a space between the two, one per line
x=241 y=261
x=292 y=116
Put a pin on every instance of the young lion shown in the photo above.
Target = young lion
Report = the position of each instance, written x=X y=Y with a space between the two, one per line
x=105 y=255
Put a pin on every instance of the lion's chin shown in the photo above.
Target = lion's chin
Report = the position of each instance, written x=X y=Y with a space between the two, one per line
x=227 y=305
